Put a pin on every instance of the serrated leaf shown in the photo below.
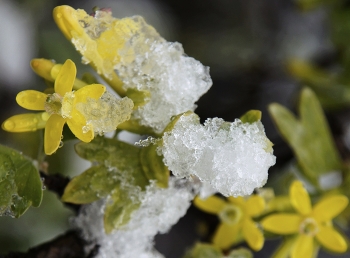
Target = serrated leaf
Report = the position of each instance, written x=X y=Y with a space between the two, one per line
x=93 y=184
x=118 y=210
x=20 y=183
x=153 y=165
x=309 y=137
x=251 y=116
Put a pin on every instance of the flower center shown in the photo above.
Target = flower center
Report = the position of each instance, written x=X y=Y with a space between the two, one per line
x=308 y=227
x=231 y=214
x=56 y=104
x=53 y=104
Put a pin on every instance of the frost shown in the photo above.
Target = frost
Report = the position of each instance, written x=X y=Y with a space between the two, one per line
x=106 y=113
x=146 y=142
x=174 y=80
x=160 y=209
x=232 y=157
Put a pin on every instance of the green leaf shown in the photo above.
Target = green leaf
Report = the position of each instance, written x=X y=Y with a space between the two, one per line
x=251 y=116
x=201 y=250
x=133 y=126
x=240 y=253
x=119 y=209
x=332 y=89
x=153 y=165
x=174 y=120
x=309 y=137
x=140 y=98
x=117 y=156
x=93 y=184
x=20 y=183
x=118 y=173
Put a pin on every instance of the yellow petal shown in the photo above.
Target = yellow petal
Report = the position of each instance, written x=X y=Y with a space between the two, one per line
x=329 y=207
x=211 y=205
x=31 y=99
x=53 y=133
x=65 y=78
x=282 y=223
x=237 y=200
x=303 y=247
x=25 y=122
x=65 y=18
x=300 y=198
x=226 y=235
x=253 y=235
x=42 y=67
x=76 y=125
x=94 y=91
x=255 y=205
x=331 y=239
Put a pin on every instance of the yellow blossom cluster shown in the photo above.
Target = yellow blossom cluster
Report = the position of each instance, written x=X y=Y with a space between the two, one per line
x=305 y=229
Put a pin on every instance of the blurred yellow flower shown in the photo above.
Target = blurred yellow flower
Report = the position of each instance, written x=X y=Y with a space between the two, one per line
x=59 y=107
x=236 y=220
x=309 y=223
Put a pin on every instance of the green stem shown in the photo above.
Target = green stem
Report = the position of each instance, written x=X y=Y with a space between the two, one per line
x=115 y=83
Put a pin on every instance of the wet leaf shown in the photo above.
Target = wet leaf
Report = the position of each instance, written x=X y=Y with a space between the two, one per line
x=95 y=183
x=117 y=156
x=20 y=183
x=118 y=210
x=153 y=165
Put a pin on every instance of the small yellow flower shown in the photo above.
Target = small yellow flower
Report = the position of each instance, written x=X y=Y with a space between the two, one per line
x=309 y=223
x=59 y=107
x=236 y=220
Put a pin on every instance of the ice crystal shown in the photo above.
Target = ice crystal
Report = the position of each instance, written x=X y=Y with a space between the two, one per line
x=232 y=157
x=160 y=209
x=106 y=113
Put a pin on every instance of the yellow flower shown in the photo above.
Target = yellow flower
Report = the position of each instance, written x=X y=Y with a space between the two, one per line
x=59 y=107
x=236 y=220
x=309 y=223
x=98 y=38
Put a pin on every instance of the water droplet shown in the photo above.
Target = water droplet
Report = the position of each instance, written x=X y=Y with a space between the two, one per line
x=59 y=15
x=60 y=145
x=43 y=187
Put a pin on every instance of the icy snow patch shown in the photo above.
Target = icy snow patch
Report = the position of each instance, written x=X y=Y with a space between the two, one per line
x=175 y=81
x=160 y=209
x=232 y=157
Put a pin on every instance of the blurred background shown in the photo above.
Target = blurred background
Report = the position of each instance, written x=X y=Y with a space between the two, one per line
x=246 y=44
